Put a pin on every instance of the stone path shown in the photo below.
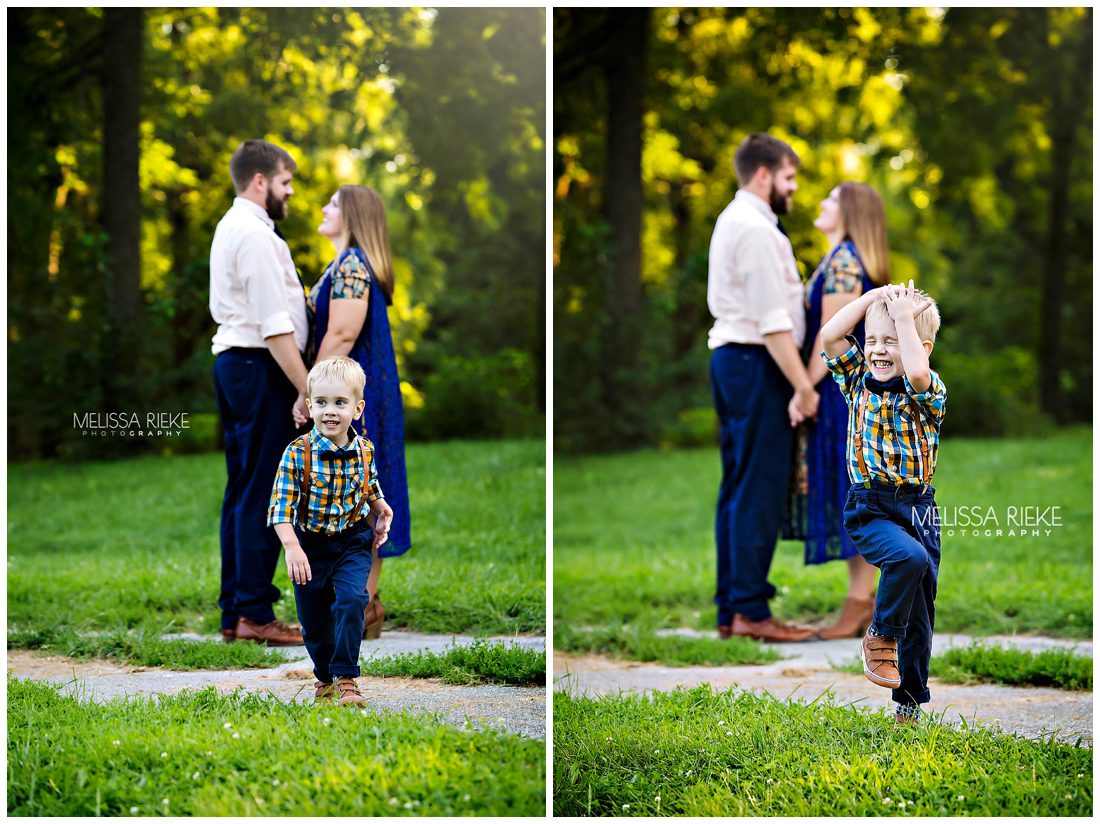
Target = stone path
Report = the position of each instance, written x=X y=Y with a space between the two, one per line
x=518 y=710
x=807 y=673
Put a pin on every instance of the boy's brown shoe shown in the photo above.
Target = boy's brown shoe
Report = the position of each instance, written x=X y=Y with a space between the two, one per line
x=349 y=693
x=325 y=690
x=880 y=660
x=274 y=634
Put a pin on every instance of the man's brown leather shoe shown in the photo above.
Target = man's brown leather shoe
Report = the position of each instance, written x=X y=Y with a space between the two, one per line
x=275 y=634
x=880 y=660
x=324 y=691
x=770 y=629
x=229 y=635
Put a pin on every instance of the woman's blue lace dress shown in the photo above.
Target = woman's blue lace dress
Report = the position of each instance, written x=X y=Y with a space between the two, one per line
x=383 y=420
x=819 y=476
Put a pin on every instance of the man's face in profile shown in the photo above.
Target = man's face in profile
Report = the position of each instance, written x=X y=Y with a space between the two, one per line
x=783 y=187
x=279 y=191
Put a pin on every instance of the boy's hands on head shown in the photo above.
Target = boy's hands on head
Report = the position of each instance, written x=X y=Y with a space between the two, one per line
x=297 y=565
x=383 y=515
x=903 y=301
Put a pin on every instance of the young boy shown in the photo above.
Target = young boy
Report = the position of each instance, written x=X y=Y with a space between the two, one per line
x=896 y=405
x=323 y=482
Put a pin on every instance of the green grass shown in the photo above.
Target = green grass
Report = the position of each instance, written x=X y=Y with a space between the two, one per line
x=145 y=649
x=641 y=644
x=616 y=564
x=478 y=663
x=699 y=753
x=133 y=544
x=199 y=753
x=993 y=664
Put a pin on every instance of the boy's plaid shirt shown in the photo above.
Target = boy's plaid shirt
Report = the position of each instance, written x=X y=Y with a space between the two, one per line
x=891 y=443
x=337 y=478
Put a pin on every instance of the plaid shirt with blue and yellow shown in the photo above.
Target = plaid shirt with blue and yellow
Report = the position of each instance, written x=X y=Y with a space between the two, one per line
x=337 y=478
x=891 y=442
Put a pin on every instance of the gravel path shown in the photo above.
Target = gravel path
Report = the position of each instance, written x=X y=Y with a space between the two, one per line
x=518 y=710
x=806 y=673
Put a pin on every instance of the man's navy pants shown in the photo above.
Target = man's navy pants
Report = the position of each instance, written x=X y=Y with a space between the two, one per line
x=254 y=402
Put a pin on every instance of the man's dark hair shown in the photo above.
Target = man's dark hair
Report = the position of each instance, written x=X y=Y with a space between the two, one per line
x=758 y=150
x=254 y=156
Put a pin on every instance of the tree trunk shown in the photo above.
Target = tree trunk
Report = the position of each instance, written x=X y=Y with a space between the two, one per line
x=1065 y=114
x=121 y=211
x=624 y=69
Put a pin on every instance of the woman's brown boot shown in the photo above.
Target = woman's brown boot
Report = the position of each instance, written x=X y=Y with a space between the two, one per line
x=373 y=616
x=854 y=619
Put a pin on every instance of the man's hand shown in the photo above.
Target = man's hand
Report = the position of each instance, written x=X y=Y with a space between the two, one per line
x=300 y=411
x=297 y=565
x=383 y=515
x=902 y=302
x=803 y=405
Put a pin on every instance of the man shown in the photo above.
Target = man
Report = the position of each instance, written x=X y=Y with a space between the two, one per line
x=755 y=295
x=258 y=302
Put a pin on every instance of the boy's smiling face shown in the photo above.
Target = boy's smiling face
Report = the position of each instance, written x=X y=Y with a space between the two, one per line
x=333 y=407
x=881 y=347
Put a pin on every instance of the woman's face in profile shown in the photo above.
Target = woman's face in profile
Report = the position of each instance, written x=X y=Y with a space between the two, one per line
x=830 y=220
x=333 y=224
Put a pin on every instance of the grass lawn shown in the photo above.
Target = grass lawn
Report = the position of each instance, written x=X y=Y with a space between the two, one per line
x=108 y=547
x=480 y=662
x=199 y=753
x=699 y=753
x=634 y=546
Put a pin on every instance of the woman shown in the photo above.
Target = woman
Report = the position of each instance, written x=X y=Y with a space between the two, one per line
x=854 y=221
x=347 y=309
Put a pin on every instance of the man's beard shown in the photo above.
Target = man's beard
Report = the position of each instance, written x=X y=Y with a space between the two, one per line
x=779 y=203
x=276 y=208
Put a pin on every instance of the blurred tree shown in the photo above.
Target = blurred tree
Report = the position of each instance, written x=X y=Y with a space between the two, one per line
x=873 y=95
x=328 y=85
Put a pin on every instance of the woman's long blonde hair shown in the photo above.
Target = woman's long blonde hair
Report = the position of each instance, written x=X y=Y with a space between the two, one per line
x=864 y=219
x=364 y=218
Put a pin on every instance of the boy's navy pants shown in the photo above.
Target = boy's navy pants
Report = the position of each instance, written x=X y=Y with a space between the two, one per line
x=750 y=397
x=896 y=529
x=331 y=604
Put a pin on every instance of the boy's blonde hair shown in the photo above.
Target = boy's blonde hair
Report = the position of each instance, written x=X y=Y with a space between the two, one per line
x=344 y=370
x=927 y=322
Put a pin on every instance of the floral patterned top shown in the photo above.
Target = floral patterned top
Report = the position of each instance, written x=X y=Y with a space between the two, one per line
x=350 y=279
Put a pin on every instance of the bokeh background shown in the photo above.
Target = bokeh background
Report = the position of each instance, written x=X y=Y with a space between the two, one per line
x=974 y=124
x=121 y=123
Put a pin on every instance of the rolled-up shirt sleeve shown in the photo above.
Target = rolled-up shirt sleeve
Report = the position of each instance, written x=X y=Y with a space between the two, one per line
x=847 y=370
x=261 y=275
x=763 y=270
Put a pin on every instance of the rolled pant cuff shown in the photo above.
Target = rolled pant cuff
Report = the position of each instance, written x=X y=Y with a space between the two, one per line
x=888 y=630
x=911 y=699
x=355 y=674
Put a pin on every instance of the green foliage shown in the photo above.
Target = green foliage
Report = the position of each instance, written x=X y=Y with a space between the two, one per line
x=696 y=752
x=133 y=544
x=1002 y=665
x=204 y=754
x=901 y=99
x=641 y=644
x=634 y=545
x=441 y=111
x=476 y=663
